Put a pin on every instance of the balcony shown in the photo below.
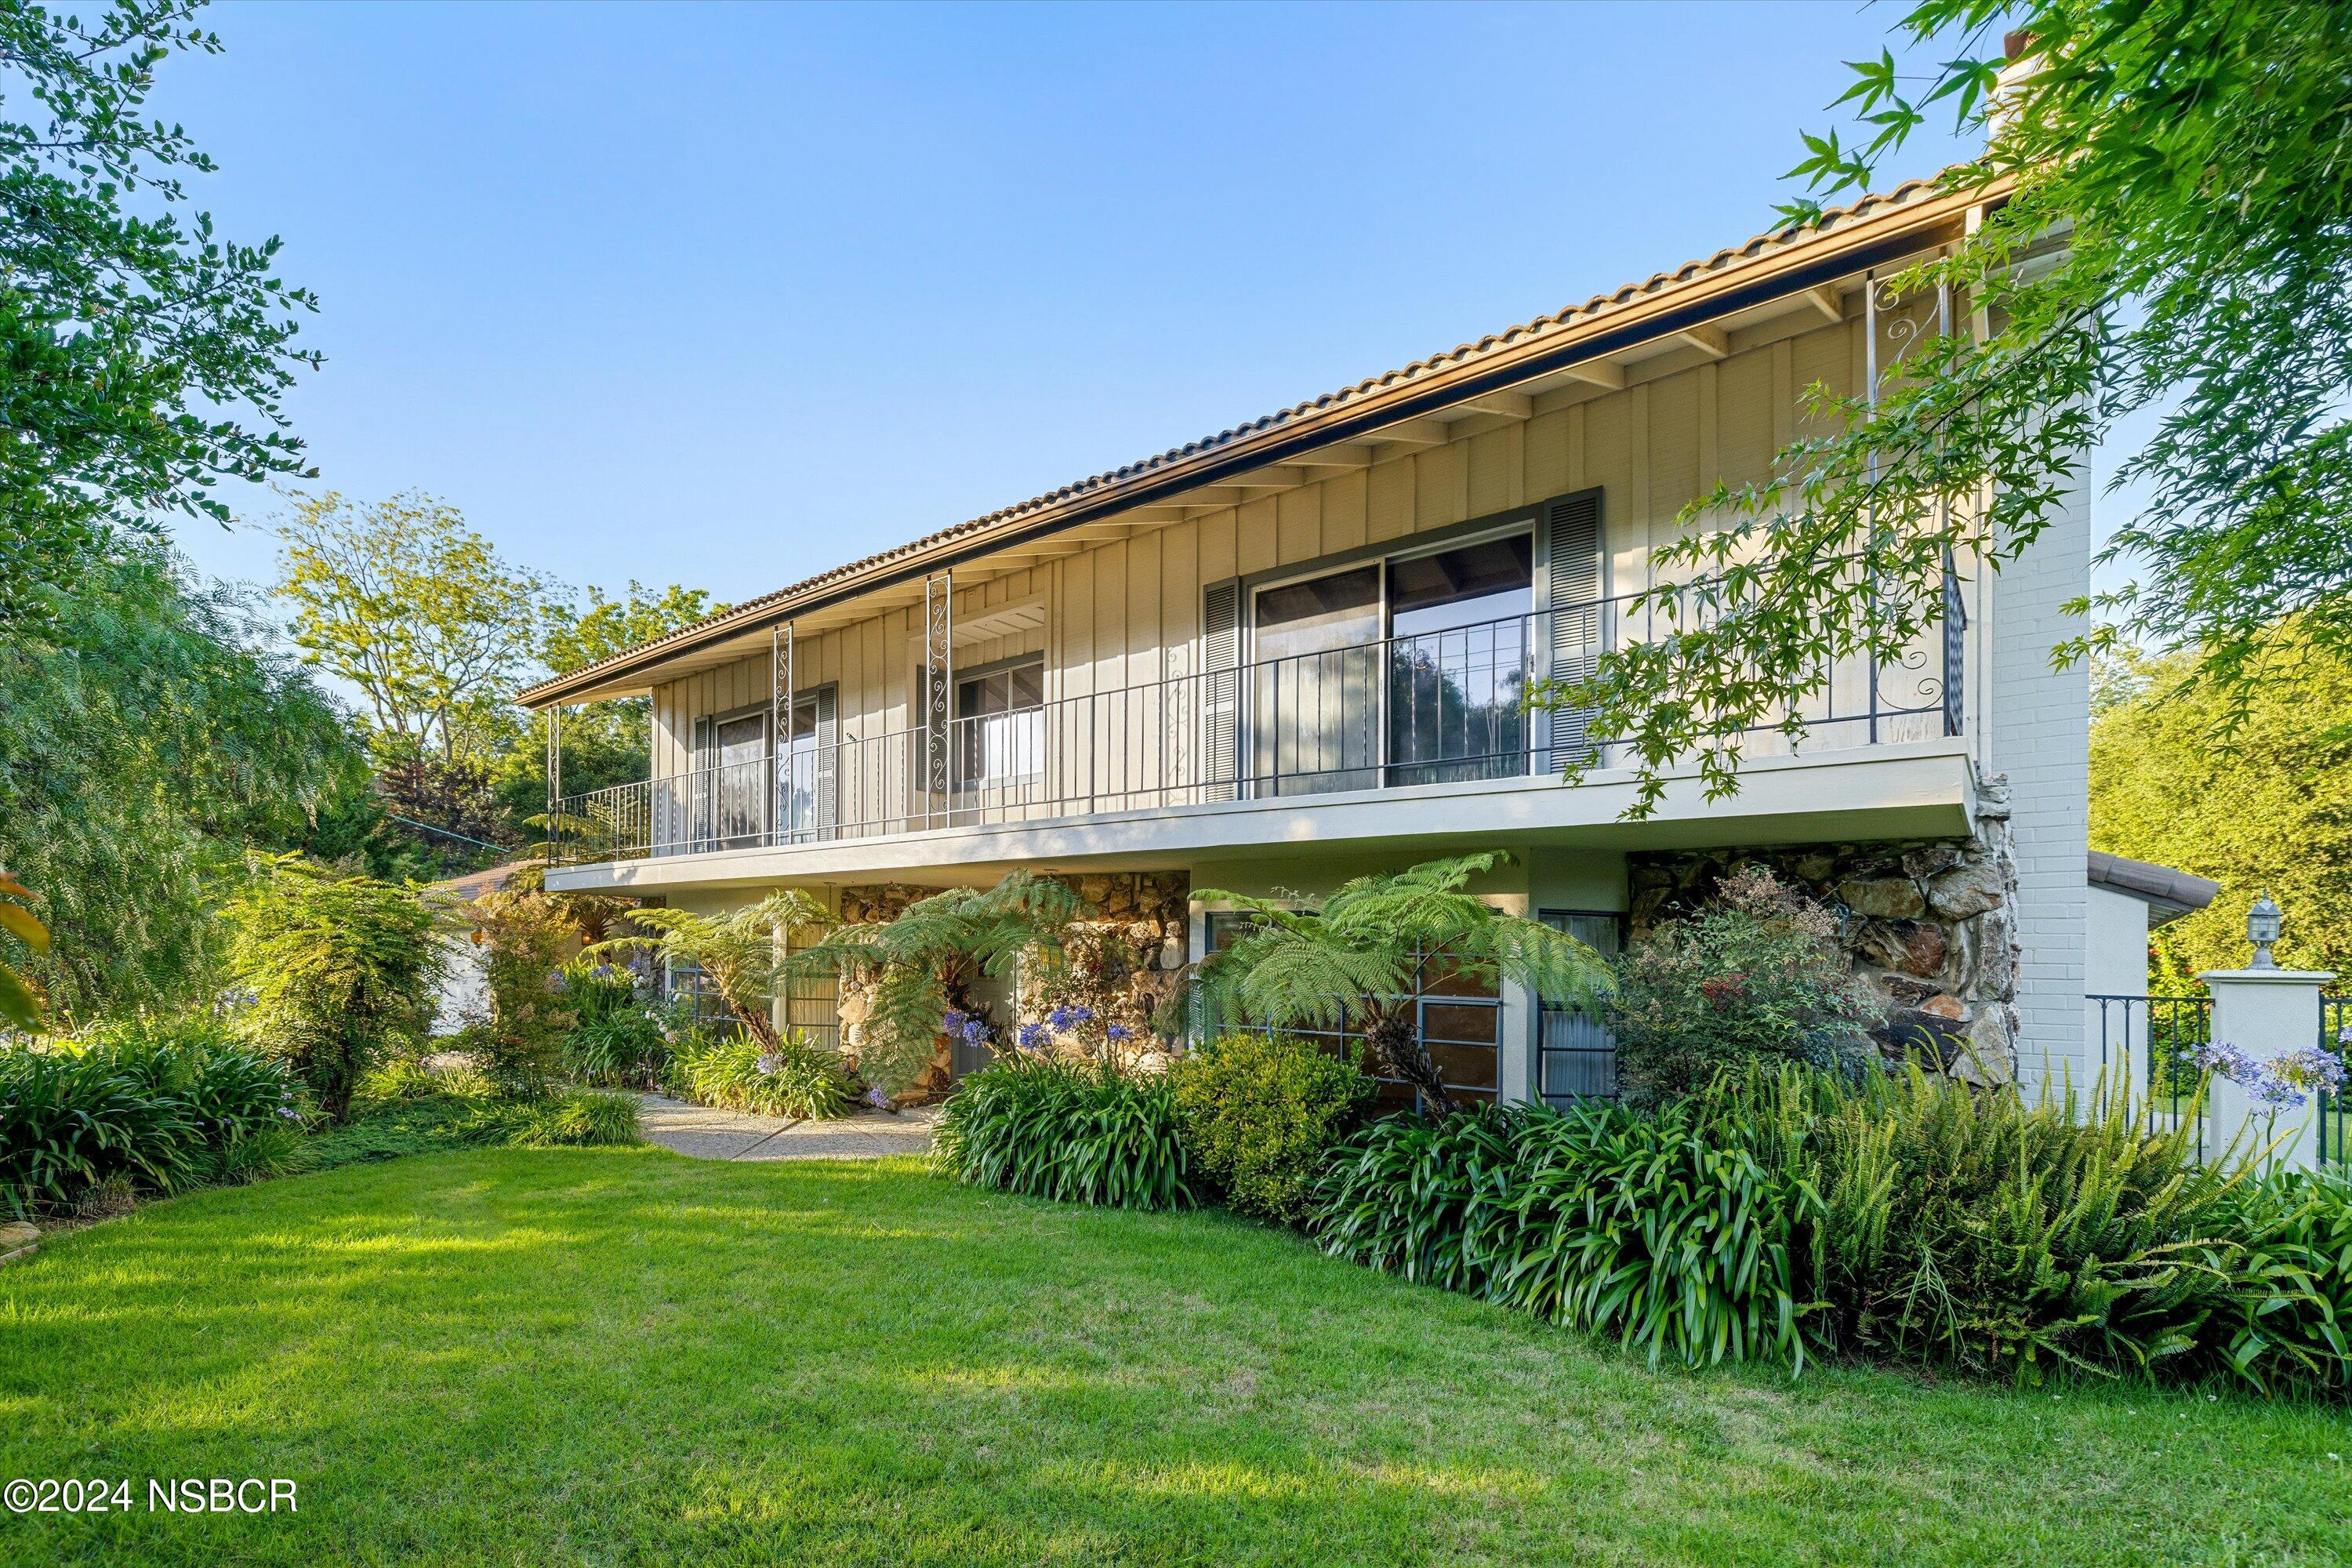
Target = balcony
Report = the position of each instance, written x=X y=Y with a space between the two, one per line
x=1438 y=708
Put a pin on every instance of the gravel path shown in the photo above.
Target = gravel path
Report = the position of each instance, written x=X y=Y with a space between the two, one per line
x=709 y=1134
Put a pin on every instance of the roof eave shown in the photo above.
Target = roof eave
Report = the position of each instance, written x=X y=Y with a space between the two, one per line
x=1851 y=246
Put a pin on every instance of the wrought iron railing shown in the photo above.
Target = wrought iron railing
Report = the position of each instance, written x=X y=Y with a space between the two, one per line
x=1437 y=708
x=2335 y=1114
x=2154 y=1040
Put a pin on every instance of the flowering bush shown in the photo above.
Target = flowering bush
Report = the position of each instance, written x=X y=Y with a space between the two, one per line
x=2283 y=1082
x=1757 y=976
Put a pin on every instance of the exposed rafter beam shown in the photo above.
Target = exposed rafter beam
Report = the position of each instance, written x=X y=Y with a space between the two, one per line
x=1413 y=433
x=1154 y=514
x=1280 y=477
x=1600 y=372
x=1708 y=339
x=1212 y=495
x=1509 y=405
x=1824 y=298
x=1336 y=457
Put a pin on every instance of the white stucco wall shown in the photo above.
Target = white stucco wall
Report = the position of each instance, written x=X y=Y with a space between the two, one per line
x=2114 y=954
x=2038 y=736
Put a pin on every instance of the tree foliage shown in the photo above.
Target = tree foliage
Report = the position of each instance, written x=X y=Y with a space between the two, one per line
x=1356 y=959
x=142 y=356
x=914 y=968
x=2168 y=231
x=342 y=972
x=2272 y=813
x=417 y=612
x=741 y=952
x=148 y=739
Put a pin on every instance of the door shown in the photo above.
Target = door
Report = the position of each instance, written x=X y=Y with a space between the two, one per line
x=1458 y=662
x=732 y=782
x=1315 y=699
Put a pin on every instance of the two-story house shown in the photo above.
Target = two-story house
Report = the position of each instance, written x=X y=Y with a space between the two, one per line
x=1284 y=653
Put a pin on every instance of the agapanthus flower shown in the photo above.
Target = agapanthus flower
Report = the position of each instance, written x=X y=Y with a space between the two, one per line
x=1070 y=1016
x=1119 y=1032
x=1033 y=1036
x=767 y=1064
x=877 y=1099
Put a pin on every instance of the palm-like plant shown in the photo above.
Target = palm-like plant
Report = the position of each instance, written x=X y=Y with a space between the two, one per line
x=916 y=966
x=741 y=951
x=1354 y=960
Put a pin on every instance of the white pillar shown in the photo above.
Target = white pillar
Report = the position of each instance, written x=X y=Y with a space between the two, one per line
x=2265 y=1013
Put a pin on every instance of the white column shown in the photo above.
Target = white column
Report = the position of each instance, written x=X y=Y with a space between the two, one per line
x=2265 y=1013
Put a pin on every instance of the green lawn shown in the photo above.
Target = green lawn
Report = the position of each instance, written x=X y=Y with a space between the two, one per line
x=620 y=1356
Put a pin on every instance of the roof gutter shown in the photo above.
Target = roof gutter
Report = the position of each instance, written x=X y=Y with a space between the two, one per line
x=1931 y=224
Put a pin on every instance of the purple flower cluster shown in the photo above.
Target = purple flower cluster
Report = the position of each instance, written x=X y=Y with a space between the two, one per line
x=1119 y=1032
x=767 y=1064
x=1033 y=1036
x=2285 y=1082
x=1067 y=1017
x=877 y=1099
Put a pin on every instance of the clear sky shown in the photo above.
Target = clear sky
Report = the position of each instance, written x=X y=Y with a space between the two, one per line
x=729 y=295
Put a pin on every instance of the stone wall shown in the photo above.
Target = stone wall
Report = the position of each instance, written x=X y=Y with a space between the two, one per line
x=1931 y=923
x=1125 y=959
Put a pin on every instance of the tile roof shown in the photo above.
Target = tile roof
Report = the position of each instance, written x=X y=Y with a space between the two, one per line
x=1773 y=242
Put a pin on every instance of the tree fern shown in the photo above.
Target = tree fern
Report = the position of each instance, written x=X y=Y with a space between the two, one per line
x=1353 y=960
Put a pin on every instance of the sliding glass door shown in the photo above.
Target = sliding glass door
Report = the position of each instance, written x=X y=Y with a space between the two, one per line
x=1407 y=670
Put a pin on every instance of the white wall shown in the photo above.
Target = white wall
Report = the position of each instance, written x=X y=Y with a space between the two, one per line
x=2115 y=955
x=2040 y=736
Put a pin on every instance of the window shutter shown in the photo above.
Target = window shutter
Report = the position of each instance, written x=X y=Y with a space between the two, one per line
x=1569 y=574
x=828 y=763
x=1220 y=693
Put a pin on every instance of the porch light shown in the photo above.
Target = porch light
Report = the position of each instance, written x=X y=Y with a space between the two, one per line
x=2262 y=930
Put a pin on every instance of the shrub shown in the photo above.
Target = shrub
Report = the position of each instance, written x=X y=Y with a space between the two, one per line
x=1261 y=1113
x=796 y=1077
x=1650 y=1226
x=1965 y=1228
x=1074 y=1131
x=70 y=1121
x=615 y=1041
x=579 y=1119
x=157 y=1103
x=525 y=937
x=341 y=969
x=266 y=1151
x=1756 y=977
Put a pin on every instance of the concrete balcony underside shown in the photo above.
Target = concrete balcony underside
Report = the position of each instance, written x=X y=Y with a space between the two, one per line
x=1917 y=790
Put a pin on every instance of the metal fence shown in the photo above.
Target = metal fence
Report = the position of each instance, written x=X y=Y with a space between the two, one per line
x=2335 y=1115
x=2156 y=1039
x=1438 y=708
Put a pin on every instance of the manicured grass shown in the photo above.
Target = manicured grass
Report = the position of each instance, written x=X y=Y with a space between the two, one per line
x=619 y=1356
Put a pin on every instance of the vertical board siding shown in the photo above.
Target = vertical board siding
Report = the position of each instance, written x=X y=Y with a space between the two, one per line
x=1127 y=614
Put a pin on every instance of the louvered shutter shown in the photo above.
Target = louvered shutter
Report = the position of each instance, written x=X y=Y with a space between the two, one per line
x=828 y=763
x=1569 y=574
x=1221 y=690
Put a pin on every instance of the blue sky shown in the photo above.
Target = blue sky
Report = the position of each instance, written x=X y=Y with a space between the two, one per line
x=729 y=295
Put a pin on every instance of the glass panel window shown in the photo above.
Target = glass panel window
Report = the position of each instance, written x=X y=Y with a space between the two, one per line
x=1458 y=662
x=999 y=726
x=1316 y=704
x=733 y=783
x=1576 y=1055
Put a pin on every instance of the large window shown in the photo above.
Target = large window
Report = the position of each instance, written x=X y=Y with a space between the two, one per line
x=1459 y=1020
x=1000 y=725
x=730 y=786
x=1411 y=670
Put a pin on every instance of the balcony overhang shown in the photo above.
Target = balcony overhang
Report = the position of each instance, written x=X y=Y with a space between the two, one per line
x=1915 y=790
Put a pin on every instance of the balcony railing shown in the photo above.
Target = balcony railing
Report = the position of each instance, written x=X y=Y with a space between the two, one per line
x=1437 y=708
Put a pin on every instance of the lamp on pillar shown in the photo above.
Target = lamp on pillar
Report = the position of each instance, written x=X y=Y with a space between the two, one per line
x=2262 y=930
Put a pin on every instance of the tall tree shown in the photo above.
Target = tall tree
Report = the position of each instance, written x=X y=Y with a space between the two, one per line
x=2270 y=814
x=420 y=613
x=604 y=743
x=148 y=739
x=142 y=356
x=2168 y=230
